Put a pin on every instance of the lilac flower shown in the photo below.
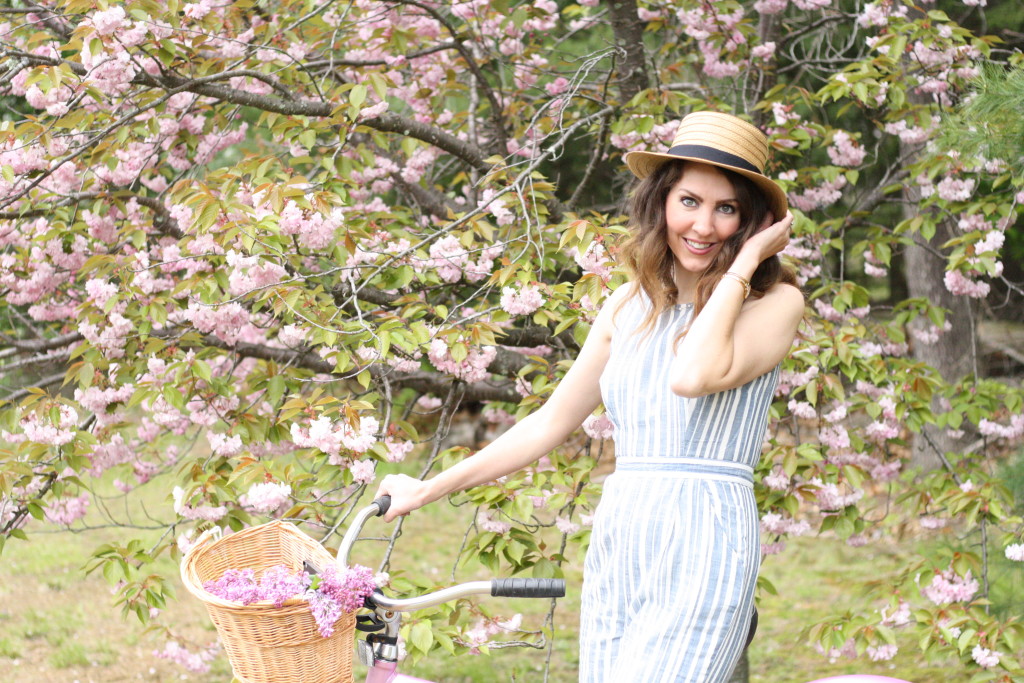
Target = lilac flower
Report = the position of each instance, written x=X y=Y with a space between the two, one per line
x=279 y=583
x=339 y=591
x=236 y=585
x=326 y=611
x=329 y=594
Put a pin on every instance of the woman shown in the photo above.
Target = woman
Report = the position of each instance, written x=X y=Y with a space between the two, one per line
x=686 y=362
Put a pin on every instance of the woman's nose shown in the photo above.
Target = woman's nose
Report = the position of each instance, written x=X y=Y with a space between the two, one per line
x=704 y=222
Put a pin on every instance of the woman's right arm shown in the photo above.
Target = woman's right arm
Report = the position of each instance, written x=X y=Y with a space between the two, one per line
x=572 y=401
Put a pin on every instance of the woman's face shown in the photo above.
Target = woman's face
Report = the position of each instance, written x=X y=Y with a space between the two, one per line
x=701 y=212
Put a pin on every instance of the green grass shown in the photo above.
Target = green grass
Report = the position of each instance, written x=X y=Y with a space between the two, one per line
x=69 y=655
x=10 y=648
x=57 y=624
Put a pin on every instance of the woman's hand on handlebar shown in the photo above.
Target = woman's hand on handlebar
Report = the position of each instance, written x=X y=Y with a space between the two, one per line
x=407 y=494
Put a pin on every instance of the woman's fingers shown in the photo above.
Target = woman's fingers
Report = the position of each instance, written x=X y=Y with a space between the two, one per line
x=403 y=490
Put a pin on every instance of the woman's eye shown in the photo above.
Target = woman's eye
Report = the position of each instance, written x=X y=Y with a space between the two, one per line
x=727 y=208
x=689 y=201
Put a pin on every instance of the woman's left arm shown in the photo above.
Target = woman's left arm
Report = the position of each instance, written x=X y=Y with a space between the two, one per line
x=734 y=341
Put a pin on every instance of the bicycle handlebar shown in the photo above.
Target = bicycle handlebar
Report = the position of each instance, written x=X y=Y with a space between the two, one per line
x=375 y=509
x=510 y=588
x=528 y=588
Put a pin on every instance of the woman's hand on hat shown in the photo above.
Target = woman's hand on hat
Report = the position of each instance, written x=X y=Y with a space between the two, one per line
x=770 y=239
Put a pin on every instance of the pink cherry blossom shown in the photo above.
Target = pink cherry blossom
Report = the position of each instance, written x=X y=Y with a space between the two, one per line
x=776 y=481
x=566 y=526
x=41 y=430
x=824 y=194
x=523 y=301
x=594 y=260
x=210 y=513
x=899 y=617
x=397 y=448
x=770 y=6
x=1012 y=431
x=955 y=189
x=224 y=445
x=802 y=409
x=830 y=498
x=363 y=471
x=599 y=426
x=777 y=525
x=108 y=21
x=844 y=151
x=957 y=283
x=472 y=369
x=488 y=523
x=881 y=653
x=266 y=497
x=984 y=657
x=1015 y=552
x=947 y=587
x=429 y=403
x=196 y=662
x=65 y=511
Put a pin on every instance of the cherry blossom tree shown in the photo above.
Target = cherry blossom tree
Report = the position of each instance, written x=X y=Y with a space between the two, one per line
x=259 y=253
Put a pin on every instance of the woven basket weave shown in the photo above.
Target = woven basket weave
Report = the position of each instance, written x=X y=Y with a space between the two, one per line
x=268 y=644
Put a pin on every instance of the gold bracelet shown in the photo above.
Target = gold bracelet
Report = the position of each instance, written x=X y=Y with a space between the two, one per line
x=740 y=279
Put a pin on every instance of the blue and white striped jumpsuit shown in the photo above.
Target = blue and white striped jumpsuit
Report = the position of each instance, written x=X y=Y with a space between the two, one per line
x=669 y=578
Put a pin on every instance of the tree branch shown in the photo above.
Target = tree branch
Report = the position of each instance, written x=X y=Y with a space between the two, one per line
x=41 y=345
x=206 y=86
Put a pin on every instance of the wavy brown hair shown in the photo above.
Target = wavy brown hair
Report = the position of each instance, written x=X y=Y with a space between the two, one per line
x=647 y=256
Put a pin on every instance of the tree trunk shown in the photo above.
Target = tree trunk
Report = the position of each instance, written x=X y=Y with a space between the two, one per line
x=953 y=354
x=741 y=674
x=629 y=37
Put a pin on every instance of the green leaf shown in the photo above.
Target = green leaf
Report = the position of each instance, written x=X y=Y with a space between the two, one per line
x=275 y=389
x=421 y=636
x=358 y=95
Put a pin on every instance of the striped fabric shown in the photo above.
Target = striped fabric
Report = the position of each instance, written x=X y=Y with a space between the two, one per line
x=669 y=578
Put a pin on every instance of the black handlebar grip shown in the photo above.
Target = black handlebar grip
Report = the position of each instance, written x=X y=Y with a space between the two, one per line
x=382 y=503
x=528 y=588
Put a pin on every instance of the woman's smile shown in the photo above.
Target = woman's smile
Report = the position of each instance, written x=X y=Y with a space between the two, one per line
x=698 y=247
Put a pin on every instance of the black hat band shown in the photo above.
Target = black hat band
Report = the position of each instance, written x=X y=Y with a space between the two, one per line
x=715 y=156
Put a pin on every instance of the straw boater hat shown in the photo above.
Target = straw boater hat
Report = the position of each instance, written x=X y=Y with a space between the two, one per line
x=720 y=140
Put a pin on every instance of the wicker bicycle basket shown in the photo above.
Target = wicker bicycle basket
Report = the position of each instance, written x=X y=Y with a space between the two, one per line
x=268 y=644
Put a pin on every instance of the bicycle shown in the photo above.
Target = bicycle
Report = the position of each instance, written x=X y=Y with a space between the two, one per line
x=379 y=651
